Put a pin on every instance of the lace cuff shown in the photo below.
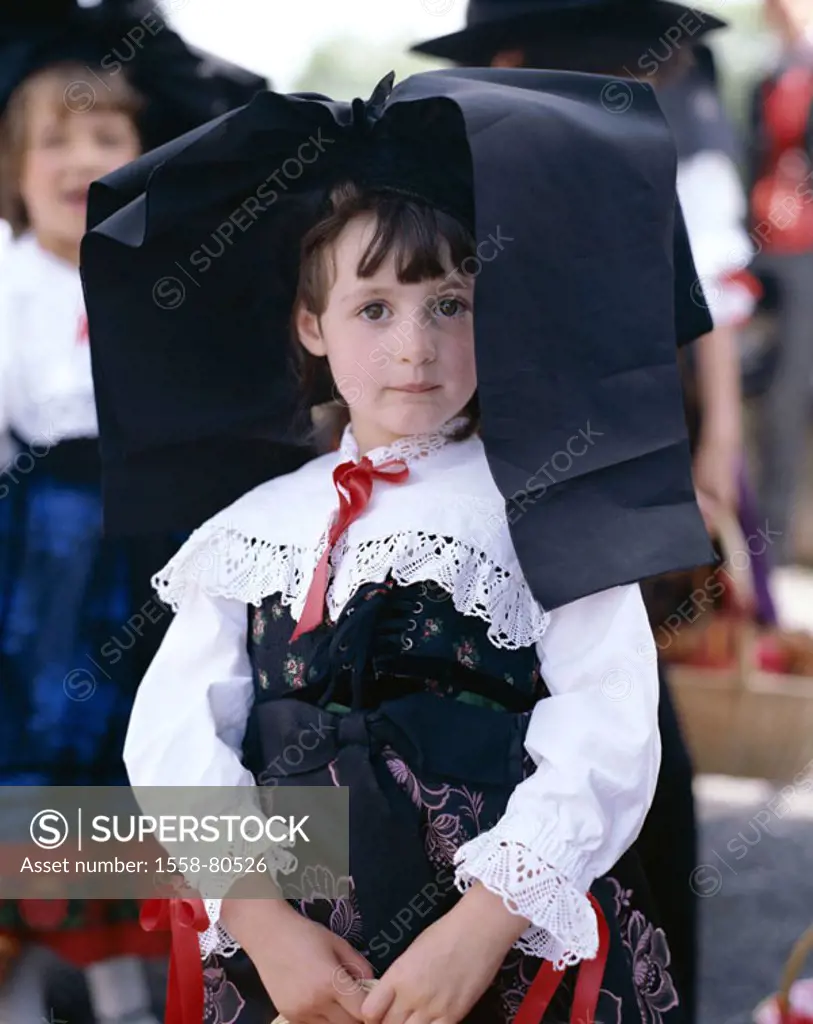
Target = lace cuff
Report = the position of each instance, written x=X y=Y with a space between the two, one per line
x=216 y=939
x=564 y=929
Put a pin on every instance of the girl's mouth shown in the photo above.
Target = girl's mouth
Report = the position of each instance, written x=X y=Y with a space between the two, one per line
x=416 y=389
x=75 y=197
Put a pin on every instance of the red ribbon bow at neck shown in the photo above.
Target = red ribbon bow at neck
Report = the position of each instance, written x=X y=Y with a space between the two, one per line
x=354 y=484
x=183 y=919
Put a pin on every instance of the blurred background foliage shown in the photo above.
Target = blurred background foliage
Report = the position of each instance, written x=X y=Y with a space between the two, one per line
x=346 y=67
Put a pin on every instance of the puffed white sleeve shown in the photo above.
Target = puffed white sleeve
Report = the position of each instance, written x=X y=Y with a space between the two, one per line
x=596 y=744
x=189 y=719
x=190 y=712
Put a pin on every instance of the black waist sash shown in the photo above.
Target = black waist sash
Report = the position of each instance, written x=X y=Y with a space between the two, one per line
x=73 y=461
x=441 y=740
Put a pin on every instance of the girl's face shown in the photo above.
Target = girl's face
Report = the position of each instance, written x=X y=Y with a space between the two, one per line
x=402 y=355
x=64 y=152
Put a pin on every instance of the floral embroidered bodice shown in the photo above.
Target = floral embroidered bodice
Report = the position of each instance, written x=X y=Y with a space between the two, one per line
x=387 y=629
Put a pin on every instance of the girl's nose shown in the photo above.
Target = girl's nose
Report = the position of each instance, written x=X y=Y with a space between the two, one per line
x=420 y=347
x=83 y=156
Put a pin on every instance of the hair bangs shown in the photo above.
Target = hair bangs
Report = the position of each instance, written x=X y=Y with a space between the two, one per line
x=75 y=89
x=424 y=243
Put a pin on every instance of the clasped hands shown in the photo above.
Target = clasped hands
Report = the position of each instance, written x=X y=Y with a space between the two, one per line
x=312 y=975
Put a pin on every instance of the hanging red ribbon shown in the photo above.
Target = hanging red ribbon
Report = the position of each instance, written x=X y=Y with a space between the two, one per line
x=183 y=918
x=354 y=483
x=588 y=982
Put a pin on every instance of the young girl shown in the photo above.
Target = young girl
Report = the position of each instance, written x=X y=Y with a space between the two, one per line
x=65 y=592
x=378 y=590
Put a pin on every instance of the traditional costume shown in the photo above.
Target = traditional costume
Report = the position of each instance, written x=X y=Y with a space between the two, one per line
x=481 y=647
x=76 y=621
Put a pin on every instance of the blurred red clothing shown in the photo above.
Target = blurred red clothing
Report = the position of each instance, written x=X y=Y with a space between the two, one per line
x=782 y=195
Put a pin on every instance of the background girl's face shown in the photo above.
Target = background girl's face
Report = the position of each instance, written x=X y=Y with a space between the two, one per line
x=402 y=355
x=64 y=152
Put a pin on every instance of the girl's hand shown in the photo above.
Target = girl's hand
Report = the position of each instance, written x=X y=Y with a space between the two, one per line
x=449 y=966
x=308 y=972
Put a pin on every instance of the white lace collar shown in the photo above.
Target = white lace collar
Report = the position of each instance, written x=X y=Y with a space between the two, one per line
x=445 y=525
x=407 y=449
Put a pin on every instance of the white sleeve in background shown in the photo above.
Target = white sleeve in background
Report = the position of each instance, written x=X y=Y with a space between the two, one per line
x=189 y=719
x=596 y=743
x=715 y=210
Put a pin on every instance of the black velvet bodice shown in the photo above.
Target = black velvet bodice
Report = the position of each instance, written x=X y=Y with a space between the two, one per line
x=387 y=633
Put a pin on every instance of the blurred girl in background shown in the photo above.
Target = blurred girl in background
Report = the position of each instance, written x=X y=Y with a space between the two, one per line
x=78 y=99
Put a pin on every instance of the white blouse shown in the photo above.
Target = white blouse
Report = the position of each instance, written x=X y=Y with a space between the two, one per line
x=715 y=209
x=595 y=740
x=46 y=381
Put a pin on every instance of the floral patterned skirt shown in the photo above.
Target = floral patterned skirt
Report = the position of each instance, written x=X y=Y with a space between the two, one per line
x=637 y=987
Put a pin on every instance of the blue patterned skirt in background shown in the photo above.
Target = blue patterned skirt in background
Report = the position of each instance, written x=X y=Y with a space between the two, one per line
x=75 y=635
x=64 y=597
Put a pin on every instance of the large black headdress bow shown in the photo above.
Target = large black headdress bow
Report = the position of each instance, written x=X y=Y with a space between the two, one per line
x=585 y=285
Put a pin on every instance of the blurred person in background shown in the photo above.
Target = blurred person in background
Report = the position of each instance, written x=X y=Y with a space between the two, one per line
x=83 y=90
x=658 y=42
x=782 y=227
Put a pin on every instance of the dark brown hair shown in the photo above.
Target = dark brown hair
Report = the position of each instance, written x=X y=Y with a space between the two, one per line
x=116 y=95
x=423 y=240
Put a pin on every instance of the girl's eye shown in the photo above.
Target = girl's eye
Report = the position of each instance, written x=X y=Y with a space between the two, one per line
x=110 y=137
x=450 y=307
x=51 y=140
x=374 y=311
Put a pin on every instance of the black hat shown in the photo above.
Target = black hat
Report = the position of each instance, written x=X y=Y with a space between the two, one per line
x=561 y=31
x=183 y=87
x=585 y=284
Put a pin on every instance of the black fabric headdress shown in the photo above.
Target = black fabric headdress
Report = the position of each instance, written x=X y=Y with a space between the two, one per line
x=585 y=285
x=183 y=87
